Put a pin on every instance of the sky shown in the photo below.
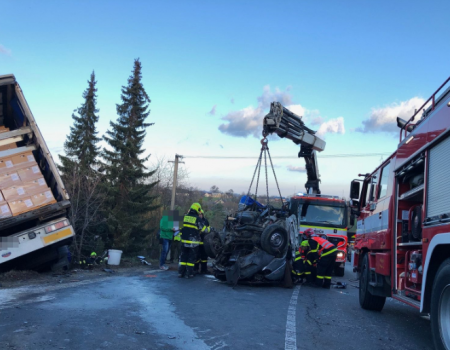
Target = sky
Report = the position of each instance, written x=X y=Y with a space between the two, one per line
x=211 y=69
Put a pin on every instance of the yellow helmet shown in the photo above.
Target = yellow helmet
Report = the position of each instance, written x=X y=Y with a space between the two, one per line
x=197 y=207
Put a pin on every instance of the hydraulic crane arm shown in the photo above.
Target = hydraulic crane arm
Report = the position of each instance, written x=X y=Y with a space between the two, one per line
x=285 y=123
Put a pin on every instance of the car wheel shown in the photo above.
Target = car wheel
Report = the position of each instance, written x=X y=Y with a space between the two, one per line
x=274 y=240
x=440 y=307
x=367 y=300
x=212 y=244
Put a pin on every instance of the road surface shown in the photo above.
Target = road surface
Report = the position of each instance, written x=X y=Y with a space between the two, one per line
x=157 y=310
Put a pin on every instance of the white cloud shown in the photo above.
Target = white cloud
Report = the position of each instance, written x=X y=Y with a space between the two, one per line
x=332 y=126
x=4 y=50
x=213 y=110
x=385 y=119
x=248 y=121
x=300 y=169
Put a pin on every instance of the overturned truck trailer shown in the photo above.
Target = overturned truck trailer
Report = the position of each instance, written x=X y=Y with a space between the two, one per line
x=34 y=229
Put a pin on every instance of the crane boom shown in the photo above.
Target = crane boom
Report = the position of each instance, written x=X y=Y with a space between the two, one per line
x=287 y=124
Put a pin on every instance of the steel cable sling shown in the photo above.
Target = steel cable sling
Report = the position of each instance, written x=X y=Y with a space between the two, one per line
x=264 y=151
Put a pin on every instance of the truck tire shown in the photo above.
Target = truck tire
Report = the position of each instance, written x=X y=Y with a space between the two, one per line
x=274 y=240
x=212 y=244
x=440 y=307
x=338 y=270
x=366 y=299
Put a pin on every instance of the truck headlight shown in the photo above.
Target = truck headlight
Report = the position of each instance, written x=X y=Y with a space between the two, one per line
x=340 y=255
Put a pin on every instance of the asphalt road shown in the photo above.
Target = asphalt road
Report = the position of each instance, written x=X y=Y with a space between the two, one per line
x=157 y=310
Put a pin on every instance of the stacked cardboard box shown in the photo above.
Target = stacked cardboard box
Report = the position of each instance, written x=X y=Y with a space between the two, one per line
x=22 y=186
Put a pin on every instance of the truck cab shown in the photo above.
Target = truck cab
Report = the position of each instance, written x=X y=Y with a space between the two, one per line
x=327 y=216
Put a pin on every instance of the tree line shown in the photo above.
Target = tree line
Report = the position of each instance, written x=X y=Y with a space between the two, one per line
x=117 y=201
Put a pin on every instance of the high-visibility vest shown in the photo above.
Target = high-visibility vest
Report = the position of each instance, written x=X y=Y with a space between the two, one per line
x=326 y=245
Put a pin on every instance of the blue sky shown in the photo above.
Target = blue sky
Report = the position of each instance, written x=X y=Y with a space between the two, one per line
x=349 y=66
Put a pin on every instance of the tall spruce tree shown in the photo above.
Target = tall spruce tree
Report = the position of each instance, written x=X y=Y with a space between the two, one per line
x=83 y=182
x=129 y=194
x=81 y=145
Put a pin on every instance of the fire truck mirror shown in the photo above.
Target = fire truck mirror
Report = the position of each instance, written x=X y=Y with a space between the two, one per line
x=354 y=189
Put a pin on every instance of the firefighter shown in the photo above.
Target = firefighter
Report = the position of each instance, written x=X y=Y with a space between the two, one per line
x=298 y=267
x=191 y=232
x=325 y=253
x=201 y=264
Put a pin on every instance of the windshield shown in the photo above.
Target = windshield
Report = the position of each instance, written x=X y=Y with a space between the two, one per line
x=321 y=214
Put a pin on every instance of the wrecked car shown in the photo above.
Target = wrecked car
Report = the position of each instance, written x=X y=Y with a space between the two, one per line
x=254 y=245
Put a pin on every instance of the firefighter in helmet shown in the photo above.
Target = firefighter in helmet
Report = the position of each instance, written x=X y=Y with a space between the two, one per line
x=202 y=258
x=303 y=266
x=193 y=228
x=324 y=252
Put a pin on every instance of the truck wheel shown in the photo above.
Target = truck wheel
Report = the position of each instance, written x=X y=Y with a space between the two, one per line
x=338 y=270
x=212 y=244
x=440 y=307
x=274 y=240
x=366 y=299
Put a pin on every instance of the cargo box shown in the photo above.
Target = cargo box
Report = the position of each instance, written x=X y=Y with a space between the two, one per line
x=43 y=198
x=21 y=158
x=9 y=179
x=29 y=173
x=14 y=192
x=21 y=206
x=5 y=212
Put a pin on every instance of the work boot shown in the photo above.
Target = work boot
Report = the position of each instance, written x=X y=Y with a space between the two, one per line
x=326 y=284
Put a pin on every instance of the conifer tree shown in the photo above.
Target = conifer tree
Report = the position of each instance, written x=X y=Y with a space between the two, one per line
x=83 y=182
x=129 y=197
x=81 y=145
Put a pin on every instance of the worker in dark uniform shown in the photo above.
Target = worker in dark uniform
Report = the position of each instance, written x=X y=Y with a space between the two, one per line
x=298 y=267
x=191 y=232
x=304 y=266
x=201 y=265
x=324 y=252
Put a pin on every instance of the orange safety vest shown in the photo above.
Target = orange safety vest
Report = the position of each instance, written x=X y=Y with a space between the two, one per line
x=323 y=243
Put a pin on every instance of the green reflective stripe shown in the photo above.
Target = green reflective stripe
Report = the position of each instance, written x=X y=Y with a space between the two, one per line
x=189 y=264
x=190 y=219
x=309 y=262
x=191 y=226
x=297 y=273
x=205 y=229
x=203 y=261
x=327 y=277
x=191 y=242
x=314 y=250
x=183 y=263
x=297 y=253
x=331 y=251
x=320 y=277
x=308 y=273
x=299 y=258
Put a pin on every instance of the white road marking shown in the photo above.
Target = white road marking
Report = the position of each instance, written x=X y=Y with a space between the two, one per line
x=290 y=342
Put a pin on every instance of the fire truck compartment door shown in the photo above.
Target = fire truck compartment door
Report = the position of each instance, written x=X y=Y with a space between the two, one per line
x=438 y=191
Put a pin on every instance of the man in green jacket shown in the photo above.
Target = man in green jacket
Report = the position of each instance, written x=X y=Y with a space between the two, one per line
x=166 y=236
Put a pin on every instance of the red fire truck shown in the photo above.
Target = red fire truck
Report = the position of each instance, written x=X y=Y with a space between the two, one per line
x=402 y=245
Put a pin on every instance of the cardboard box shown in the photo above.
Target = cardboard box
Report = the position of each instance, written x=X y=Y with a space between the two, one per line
x=8 y=146
x=35 y=186
x=5 y=212
x=43 y=198
x=21 y=206
x=6 y=164
x=21 y=158
x=29 y=173
x=9 y=179
x=14 y=192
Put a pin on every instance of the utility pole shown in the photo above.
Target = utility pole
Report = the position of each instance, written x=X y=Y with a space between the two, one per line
x=175 y=176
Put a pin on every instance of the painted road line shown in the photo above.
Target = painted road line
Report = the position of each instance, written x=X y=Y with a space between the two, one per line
x=290 y=342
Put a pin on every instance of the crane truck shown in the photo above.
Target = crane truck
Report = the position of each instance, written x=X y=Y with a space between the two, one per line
x=34 y=229
x=325 y=214
x=402 y=243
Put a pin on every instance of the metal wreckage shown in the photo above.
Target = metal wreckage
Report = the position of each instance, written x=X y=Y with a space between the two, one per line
x=257 y=244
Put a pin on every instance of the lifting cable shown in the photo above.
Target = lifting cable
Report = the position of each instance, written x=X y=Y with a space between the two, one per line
x=264 y=151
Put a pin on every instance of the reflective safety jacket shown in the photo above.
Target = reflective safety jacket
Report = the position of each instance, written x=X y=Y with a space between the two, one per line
x=192 y=229
x=320 y=247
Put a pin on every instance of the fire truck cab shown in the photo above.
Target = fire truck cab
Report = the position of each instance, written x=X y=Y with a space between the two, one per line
x=402 y=244
x=327 y=216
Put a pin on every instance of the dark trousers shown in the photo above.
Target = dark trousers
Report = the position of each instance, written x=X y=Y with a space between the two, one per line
x=325 y=269
x=187 y=260
x=202 y=260
x=175 y=249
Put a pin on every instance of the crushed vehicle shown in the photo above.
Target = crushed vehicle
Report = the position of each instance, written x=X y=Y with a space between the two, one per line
x=258 y=242
x=253 y=245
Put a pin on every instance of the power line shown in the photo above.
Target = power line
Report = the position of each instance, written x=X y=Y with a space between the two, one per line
x=347 y=155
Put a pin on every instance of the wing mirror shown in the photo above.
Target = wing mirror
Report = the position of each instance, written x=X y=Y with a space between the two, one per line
x=355 y=188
